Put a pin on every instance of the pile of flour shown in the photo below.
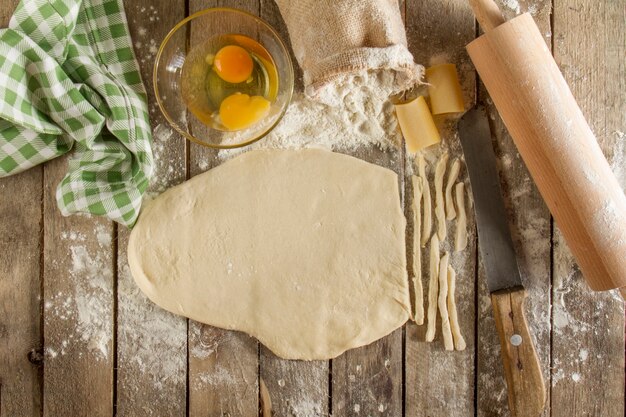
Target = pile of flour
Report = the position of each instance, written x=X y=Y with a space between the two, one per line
x=359 y=114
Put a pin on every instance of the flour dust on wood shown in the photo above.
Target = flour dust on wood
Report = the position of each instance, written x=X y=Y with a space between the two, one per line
x=89 y=305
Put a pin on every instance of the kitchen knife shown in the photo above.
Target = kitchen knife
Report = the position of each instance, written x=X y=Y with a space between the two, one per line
x=526 y=389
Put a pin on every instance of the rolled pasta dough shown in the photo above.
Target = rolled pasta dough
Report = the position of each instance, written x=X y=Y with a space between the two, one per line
x=305 y=250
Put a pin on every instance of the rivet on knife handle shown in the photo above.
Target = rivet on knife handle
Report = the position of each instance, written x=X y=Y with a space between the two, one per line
x=527 y=392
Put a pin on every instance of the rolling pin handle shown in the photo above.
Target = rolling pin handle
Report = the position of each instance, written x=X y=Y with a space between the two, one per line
x=487 y=13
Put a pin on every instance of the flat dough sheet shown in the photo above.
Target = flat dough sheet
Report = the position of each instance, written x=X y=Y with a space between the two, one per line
x=302 y=249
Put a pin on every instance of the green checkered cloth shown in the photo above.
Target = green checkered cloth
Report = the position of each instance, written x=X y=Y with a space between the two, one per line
x=69 y=78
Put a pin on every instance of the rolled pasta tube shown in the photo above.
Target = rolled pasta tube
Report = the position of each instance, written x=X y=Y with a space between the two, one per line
x=417 y=255
x=459 y=341
x=460 y=240
x=440 y=213
x=446 y=331
x=444 y=89
x=428 y=222
x=417 y=124
x=452 y=177
x=433 y=289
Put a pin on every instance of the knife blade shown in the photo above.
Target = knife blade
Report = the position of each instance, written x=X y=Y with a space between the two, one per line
x=522 y=370
x=496 y=245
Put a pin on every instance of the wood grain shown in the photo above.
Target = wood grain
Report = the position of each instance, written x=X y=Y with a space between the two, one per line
x=151 y=342
x=525 y=386
x=453 y=393
x=21 y=350
x=588 y=341
x=223 y=365
x=530 y=224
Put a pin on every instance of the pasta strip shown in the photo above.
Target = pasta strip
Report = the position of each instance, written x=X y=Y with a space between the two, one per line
x=460 y=241
x=452 y=176
x=427 y=225
x=459 y=341
x=417 y=255
x=433 y=289
x=440 y=213
x=448 y=342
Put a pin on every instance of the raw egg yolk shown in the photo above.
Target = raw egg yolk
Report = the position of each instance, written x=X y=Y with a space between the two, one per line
x=233 y=64
x=239 y=111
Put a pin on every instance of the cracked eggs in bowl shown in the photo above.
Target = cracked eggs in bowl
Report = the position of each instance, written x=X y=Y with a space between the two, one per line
x=223 y=78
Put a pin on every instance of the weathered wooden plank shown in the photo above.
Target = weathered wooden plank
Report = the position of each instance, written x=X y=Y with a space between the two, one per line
x=529 y=220
x=440 y=382
x=78 y=308
x=588 y=341
x=369 y=380
x=223 y=365
x=21 y=366
x=151 y=342
x=295 y=387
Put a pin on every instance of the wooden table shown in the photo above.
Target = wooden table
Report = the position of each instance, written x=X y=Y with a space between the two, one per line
x=78 y=339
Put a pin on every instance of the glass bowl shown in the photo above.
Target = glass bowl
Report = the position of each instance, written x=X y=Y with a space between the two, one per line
x=174 y=50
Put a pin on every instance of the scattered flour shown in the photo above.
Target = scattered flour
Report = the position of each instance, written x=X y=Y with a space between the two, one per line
x=152 y=342
x=306 y=407
x=218 y=376
x=361 y=119
x=89 y=308
x=512 y=5
x=576 y=377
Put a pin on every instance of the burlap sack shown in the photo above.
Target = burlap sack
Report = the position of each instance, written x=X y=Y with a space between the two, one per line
x=336 y=39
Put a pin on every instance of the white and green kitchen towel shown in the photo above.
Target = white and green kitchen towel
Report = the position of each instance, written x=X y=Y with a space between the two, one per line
x=69 y=79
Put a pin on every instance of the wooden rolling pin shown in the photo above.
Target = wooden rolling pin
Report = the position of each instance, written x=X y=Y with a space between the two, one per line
x=556 y=143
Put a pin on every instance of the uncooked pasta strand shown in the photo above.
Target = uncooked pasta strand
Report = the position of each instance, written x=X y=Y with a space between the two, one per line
x=440 y=213
x=433 y=289
x=452 y=176
x=459 y=341
x=427 y=224
x=448 y=342
x=460 y=241
x=417 y=255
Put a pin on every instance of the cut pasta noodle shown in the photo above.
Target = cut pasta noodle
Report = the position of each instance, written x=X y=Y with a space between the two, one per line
x=427 y=224
x=460 y=241
x=433 y=289
x=452 y=176
x=459 y=341
x=417 y=256
x=440 y=213
x=448 y=342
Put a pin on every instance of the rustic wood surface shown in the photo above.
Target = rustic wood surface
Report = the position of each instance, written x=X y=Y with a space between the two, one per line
x=77 y=338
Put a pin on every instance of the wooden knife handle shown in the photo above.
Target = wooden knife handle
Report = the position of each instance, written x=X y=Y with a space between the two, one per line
x=527 y=392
